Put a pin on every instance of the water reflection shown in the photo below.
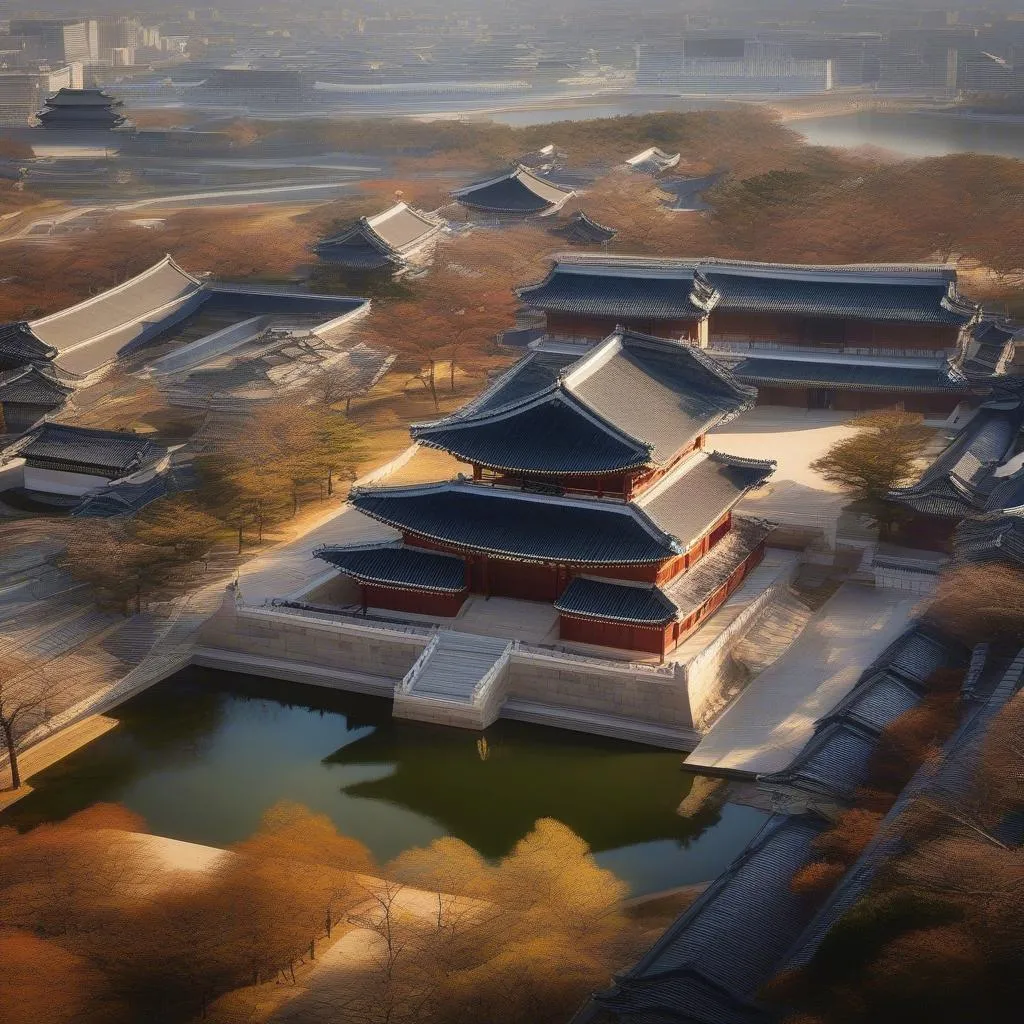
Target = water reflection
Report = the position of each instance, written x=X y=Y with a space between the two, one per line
x=202 y=756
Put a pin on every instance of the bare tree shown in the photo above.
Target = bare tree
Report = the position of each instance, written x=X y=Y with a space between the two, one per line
x=27 y=693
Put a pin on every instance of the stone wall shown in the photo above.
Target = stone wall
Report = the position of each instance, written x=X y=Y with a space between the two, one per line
x=643 y=697
x=306 y=639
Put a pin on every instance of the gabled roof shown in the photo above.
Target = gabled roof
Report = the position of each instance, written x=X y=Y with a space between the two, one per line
x=960 y=480
x=82 y=98
x=80 y=333
x=690 y=499
x=624 y=288
x=992 y=537
x=989 y=348
x=518 y=190
x=582 y=230
x=590 y=598
x=710 y=964
x=653 y=160
x=632 y=400
x=394 y=565
x=384 y=239
x=31 y=386
x=19 y=345
x=519 y=525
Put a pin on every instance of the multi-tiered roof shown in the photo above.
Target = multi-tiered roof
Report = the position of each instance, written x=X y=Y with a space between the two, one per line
x=595 y=468
x=633 y=401
x=82 y=108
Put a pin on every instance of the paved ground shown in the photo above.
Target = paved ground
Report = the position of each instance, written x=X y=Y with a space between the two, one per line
x=771 y=720
x=796 y=495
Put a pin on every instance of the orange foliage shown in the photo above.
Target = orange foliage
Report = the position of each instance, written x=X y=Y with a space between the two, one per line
x=906 y=743
x=978 y=603
x=852 y=831
x=817 y=878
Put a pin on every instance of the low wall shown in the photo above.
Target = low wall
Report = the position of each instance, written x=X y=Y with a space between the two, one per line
x=309 y=639
x=646 y=697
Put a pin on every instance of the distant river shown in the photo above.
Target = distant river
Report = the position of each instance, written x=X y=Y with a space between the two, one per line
x=916 y=133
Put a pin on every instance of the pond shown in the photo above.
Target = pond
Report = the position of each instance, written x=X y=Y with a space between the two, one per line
x=204 y=754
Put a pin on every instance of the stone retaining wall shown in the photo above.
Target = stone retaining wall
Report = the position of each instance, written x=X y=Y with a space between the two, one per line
x=646 y=698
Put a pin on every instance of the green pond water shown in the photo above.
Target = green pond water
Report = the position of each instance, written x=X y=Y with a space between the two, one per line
x=204 y=754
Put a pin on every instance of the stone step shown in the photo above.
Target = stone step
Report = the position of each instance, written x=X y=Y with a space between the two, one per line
x=456 y=665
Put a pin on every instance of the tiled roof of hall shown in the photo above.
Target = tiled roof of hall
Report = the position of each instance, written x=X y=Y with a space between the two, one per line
x=517 y=190
x=632 y=400
x=591 y=598
x=116 y=451
x=520 y=525
x=625 y=285
x=380 y=240
x=19 y=345
x=961 y=480
x=621 y=286
x=394 y=565
x=790 y=371
x=711 y=963
x=31 y=385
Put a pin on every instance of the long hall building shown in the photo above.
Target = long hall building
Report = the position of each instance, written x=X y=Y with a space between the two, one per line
x=592 y=488
x=828 y=337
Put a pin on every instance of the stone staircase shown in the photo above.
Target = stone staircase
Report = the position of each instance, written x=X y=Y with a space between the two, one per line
x=459 y=679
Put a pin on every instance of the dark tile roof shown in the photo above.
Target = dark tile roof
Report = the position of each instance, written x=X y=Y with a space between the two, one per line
x=691 y=499
x=519 y=525
x=766 y=371
x=949 y=778
x=988 y=349
x=550 y=436
x=710 y=964
x=31 y=386
x=19 y=345
x=629 y=286
x=592 y=598
x=836 y=759
x=581 y=230
x=840 y=292
x=992 y=537
x=110 y=450
x=619 y=290
x=519 y=190
x=526 y=379
x=960 y=480
x=688 y=193
x=653 y=161
x=636 y=400
x=395 y=565
x=661 y=392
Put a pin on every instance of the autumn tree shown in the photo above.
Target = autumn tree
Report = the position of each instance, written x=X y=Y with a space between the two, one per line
x=882 y=455
x=179 y=523
x=120 y=567
x=27 y=694
x=979 y=603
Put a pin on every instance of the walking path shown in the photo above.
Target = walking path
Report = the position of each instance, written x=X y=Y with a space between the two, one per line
x=771 y=720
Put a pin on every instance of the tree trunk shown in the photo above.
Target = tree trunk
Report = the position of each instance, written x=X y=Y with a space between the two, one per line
x=348 y=405
x=138 y=598
x=295 y=502
x=433 y=386
x=451 y=374
x=330 y=481
x=12 y=754
x=239 y=538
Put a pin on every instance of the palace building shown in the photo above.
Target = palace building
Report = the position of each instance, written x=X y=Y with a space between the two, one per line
x=516 y=193
x=592 y=488
x=390 y=241
x=78 y=109
x=827 y=337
